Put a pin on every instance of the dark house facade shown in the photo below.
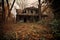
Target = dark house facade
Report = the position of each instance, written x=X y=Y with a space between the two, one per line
x=30 y=14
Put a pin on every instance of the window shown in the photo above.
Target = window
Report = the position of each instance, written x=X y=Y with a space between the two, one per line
x=24 y=11
x=31 y=11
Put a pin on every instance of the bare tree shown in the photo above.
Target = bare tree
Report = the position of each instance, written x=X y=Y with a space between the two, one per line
x=39 y=8
x=3 y=11
x=9 y=9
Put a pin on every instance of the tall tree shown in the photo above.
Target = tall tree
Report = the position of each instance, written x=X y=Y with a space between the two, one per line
x=9 y=9
x=39 y=8
x=3 y=11
x=39 y=1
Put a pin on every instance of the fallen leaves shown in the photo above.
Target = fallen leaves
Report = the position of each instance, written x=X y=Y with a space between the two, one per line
x=28 y=31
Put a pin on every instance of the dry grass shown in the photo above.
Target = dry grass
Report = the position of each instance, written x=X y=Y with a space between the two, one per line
x=28 y=31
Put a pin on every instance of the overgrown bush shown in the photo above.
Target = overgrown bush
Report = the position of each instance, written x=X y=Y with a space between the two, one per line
x=9 y=36
x=55 y=26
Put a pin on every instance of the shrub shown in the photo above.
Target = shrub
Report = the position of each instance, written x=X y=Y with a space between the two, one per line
x=55 y=26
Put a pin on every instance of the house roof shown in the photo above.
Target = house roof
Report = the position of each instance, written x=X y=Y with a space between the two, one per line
x=31 y=8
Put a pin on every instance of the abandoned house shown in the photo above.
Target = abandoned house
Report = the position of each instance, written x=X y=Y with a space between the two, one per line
x=32 y=13
x=29 y=14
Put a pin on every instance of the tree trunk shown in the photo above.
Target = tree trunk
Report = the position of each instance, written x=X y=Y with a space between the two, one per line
x=9 y=9
x=3 y=11
x=39 y=8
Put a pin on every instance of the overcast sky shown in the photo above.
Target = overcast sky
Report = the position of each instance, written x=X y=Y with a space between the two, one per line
x=31 y=1
x=27 y=3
